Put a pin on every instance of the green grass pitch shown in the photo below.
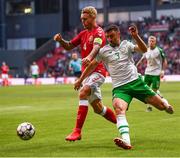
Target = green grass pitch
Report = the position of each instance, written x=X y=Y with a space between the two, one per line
x=52 y=110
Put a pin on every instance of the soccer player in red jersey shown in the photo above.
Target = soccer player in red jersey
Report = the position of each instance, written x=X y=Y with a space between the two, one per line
x=91 y=39
x=4 y=74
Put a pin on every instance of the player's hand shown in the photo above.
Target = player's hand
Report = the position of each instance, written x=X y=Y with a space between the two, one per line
x=86 y=61
x=133 y=30
x=162 y=74
x=57 y=37
x=77 y=84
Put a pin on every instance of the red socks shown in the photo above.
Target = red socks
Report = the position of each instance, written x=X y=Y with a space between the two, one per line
x=83 y=110
x=109 y=115
x=81 y=116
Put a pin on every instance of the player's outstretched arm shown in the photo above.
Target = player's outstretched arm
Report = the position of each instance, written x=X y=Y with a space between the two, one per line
x=85 y=73
x=140 y=60
x=86 y=61
x=164 y=66
x=141 y=46
x=65 y=44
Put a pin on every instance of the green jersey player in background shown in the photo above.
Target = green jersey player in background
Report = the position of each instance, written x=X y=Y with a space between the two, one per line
x=127 y=84
x=156 y=65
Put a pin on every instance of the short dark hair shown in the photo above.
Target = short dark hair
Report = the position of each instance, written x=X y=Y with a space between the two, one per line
x=112 y=28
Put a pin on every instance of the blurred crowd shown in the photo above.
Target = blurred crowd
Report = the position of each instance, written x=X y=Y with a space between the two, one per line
x=168 y=38
x=166 y=30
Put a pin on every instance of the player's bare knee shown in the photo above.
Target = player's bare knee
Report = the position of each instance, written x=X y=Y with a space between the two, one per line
x=82 y=95
x=119 y=109
x=84 y=92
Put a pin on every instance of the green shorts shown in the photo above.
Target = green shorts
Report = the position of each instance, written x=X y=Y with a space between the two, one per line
x=135 y=89
x=152 y=80
x=35 y=76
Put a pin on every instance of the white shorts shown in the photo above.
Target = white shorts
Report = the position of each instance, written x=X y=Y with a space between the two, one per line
x=95 y=80
x=4 y=76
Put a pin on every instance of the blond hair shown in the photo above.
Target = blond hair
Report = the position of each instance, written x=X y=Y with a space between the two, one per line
x=89 y=10
x=152 y=37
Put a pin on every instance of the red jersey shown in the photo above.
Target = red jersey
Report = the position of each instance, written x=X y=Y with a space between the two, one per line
x=86 y=39
x=4 y=69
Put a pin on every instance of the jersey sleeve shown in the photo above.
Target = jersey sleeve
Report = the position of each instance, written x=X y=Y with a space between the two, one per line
x=131 y=46
x=77 y=39
x=162 y=53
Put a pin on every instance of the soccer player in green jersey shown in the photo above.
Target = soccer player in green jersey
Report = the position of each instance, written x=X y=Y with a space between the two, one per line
x=127 y=84
x=156 y=65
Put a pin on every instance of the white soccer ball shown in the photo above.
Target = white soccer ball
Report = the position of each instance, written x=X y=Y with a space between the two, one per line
x=25 y=130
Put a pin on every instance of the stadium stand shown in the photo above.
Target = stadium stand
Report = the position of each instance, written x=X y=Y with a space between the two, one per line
x=166 y=29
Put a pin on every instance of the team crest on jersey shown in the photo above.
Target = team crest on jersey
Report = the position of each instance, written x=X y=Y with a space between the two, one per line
x=91 y=39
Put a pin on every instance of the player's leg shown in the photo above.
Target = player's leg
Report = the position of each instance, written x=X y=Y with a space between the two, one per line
x=120 y=107
x=121 y=100
x=36 y=80
x=104 y=111
x=84 y=92
x=95 y=99
x=144 y=93
x=160 y=103
x=156 y=86
x=90 y=84
x=5 y=81
x=149 y=81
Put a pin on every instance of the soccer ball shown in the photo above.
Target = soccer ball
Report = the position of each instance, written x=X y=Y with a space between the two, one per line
x=25 y=130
